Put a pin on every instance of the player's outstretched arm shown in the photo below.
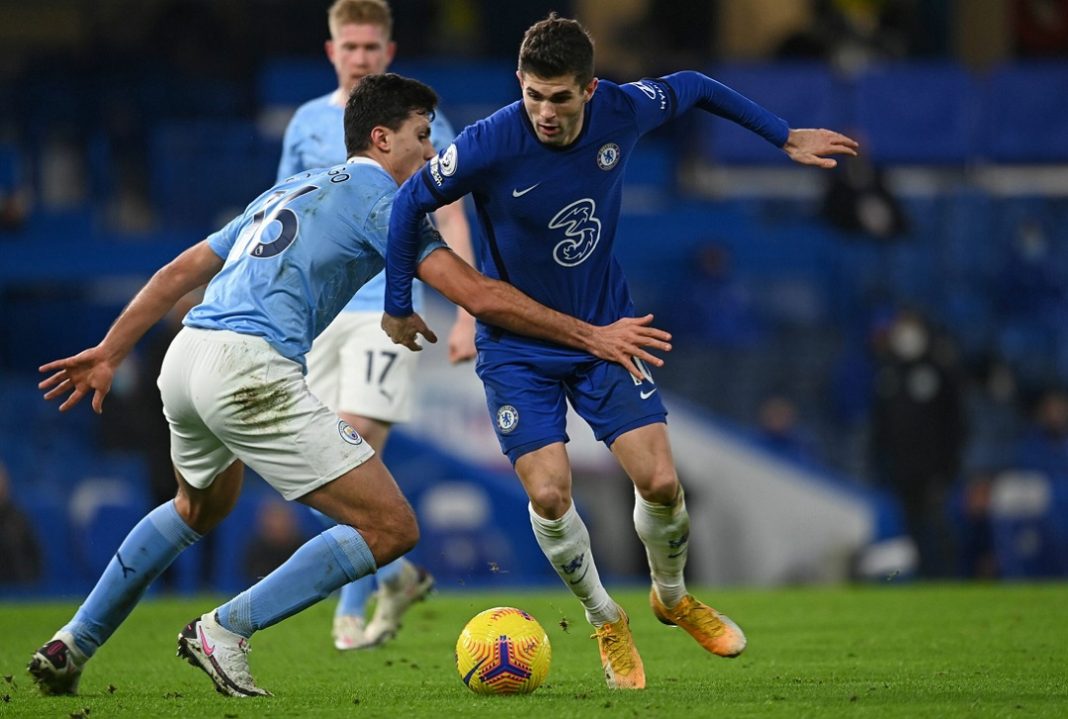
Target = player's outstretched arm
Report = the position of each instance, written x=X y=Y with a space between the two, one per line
x=94 y=368
x=502 y=305
x=811 y=147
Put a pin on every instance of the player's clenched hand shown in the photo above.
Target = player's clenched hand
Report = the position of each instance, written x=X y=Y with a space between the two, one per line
x=405 y=330
x=85 y=371
x=628 y=338
x=810 y=147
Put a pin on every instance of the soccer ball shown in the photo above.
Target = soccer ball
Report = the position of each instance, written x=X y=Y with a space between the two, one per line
x=503 y=651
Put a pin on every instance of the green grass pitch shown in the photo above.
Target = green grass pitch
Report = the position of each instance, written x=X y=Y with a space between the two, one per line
x=887 y=651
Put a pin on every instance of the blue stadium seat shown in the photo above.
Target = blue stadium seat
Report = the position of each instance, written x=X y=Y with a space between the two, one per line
x=803 y=94
x=468 y=90
x=920 y=113
x=205 y=172
x=290 y=82
x=1025 y=109
x=1026 y=531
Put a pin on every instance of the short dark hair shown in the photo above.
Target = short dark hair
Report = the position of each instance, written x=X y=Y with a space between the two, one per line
x=385 y=100
x=557 y=46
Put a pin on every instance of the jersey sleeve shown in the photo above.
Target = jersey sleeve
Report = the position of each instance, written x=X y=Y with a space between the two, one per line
x=658 y=100
x=290 y=163
x=222 y=241
x=446 y=178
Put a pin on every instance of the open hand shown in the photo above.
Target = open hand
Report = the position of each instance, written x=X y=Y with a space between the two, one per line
x=405 y=330
x=87 y=370
x=627 y=338
x=810 y=147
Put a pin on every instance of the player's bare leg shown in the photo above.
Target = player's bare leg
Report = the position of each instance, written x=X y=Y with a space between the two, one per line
x=400 y=583
x=565 y=541
x=663 y=524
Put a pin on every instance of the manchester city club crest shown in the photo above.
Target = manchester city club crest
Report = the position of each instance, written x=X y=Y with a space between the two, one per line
x=608 y=156
x=507 y=419
x=348 y=432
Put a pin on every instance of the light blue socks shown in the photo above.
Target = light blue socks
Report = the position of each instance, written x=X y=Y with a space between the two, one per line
x=325 y=562
x=148 y=549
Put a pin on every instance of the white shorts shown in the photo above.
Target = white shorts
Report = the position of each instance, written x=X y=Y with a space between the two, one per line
x=355 y=368
x=230 y=396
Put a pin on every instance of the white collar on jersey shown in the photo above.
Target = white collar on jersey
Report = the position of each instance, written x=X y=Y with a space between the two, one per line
x=363 y=160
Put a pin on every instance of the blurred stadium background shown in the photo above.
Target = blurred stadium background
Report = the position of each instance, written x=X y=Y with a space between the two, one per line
x=847 y=342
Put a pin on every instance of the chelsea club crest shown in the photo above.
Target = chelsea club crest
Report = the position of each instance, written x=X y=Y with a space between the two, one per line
x=608 y=156
x=507 y=418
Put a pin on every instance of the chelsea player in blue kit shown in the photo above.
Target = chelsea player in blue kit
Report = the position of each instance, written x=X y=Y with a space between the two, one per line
x=353 y=367
x=546 y=175
x=234 y=394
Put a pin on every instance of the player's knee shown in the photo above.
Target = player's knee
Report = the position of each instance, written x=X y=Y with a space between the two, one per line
x=201 y=516
x=660 y=488
x=550 y=501
x=399 y=531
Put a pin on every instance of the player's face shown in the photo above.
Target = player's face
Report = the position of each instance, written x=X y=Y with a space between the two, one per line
x=411 y=146
x=358 y=51
x=556 y=106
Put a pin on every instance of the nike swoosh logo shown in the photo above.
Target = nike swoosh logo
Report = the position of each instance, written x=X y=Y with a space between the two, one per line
x=582 y=575
x=467 y=677
x=520 y=193
x=647 y=395
x=208 y=647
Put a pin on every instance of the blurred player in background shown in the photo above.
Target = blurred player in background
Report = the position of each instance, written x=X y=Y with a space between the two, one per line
x=353 y=367
x=234 y=393
x=547 y=177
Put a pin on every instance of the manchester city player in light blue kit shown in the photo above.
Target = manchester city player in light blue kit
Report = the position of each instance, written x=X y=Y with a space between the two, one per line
x=546 y=174
x=353 y=367
x=234 y=393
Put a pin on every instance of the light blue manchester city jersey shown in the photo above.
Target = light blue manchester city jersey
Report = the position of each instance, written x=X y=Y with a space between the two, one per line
x=299 y=252
x=314 y=138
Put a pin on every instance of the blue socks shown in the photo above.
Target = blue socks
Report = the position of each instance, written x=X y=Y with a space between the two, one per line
x=148 y=549
x=354 y=595
x=325 y=562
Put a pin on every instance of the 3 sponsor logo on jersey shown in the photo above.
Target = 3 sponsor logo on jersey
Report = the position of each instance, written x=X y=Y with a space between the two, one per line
x=608 y=156
x=349 y=433
x=507 y=418
x=582 y=232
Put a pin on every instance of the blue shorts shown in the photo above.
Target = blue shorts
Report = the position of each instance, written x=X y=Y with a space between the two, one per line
x=525 y=396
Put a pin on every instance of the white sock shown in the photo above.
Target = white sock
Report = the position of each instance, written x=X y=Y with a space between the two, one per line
x=665 y=532
x=566 y=544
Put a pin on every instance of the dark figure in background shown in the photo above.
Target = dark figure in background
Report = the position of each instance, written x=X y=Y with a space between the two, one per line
x=20 y=554
x=918 y=434
x=858 y=200
x=853 y=34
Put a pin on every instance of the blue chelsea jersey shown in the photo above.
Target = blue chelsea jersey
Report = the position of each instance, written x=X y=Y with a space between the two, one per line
x=548 y=215
x=299 y=252
x=314 y=138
